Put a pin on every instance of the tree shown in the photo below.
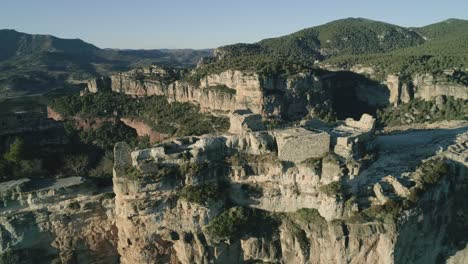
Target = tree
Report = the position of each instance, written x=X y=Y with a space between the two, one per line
x=16 y=152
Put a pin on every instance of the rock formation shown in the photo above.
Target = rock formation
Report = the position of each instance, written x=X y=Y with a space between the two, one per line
x=159 y=222
x=63 y=221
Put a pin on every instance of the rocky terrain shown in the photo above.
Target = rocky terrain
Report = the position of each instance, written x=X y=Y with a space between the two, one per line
x=325 y=159
x=307 y=93
x=304 y=194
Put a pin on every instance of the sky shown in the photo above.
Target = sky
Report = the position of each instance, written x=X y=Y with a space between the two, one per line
x=152 y=24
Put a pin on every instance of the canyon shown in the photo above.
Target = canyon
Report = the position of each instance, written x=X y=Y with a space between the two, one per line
x=320 y=146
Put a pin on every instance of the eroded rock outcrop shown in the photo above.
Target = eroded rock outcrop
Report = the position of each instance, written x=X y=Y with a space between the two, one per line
x=62 y=221
x=286 y=97
x=300 y=202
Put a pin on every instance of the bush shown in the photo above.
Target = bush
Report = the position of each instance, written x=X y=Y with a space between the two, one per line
x=386 y=212
x=16 y=152
x=239 y=221
x=433 y=171
x=310 y=215
x=202 y=194
x=334 y=189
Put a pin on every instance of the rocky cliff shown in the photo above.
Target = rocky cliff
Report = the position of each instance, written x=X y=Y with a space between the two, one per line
x=236 y=199
x=288 y=97
x=56 y=221
x=313 y=193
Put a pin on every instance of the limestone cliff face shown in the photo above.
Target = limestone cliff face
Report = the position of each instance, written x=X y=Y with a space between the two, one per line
x=427 y=87
x=393 y=90
x=157 y=223
x=63 y=221
x=291 y=98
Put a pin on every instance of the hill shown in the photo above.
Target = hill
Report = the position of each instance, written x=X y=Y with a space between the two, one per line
x=31 y=64
x=449 y=28
x=445 y=48
x=351 y=36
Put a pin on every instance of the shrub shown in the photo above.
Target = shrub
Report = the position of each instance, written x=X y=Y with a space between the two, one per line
x=334 y=189
x=239 y=221
x=310 y=215
x=386 y=212
x=433 y=171
x=202 y=194
x=16 y=151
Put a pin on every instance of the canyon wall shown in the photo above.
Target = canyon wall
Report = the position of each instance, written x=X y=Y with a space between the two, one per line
x=307 y=222
x=289 y=98
x=292 y=97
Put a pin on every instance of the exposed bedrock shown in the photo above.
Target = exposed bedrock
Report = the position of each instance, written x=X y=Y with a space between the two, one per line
x=297 y=199
x=350 y=94
x=56 y=221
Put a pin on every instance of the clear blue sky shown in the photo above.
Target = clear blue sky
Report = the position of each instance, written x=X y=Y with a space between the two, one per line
x=150 y=24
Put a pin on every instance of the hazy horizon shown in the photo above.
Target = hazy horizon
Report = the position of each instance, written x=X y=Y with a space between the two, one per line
x=205 y=24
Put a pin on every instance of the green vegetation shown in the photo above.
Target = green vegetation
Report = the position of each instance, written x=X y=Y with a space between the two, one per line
x=310 y=216
x=202 y=194
x=387 y=212
x=445 y=49
x=193 y=168
x=16 y=152
x=420 y=111
x=237 y=222
x=108 y=133
x=18 y=163
x=334 y=189
x=244 y=159
x=433 y=171
x=178 y=119
x=300 y=50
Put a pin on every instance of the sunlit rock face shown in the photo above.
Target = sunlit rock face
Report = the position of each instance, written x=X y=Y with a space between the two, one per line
x=57 y=221
x=157 y=222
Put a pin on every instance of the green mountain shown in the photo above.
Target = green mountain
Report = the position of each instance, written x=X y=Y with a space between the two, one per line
x=31 y=64
x=445 y=48
x=449 y=28
x=351 y=36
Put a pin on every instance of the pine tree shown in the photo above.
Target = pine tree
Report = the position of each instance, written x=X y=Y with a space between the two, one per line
x=16 y=152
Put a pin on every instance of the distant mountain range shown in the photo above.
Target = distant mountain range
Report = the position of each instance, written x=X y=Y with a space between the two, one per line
x=36 y=63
